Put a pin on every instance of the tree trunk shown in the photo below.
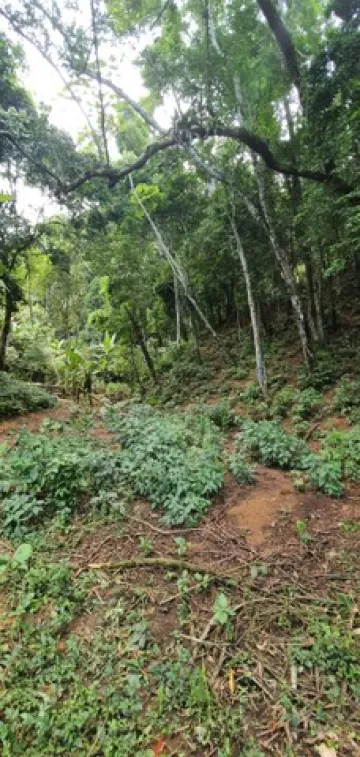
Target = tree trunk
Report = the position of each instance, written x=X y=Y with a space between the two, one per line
x=139 y=338
x=175 y=267
x=286 y=272
x=260 y=363
x=319 y=308
x=177 y=310
x=5 y=331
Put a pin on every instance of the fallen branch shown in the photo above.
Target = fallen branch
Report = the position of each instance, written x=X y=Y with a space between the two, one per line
x=155 y=562
x=163 y=531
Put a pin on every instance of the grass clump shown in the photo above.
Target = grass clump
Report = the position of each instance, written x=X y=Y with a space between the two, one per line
x=19 y=397
x=172 y=460
x=43 y=476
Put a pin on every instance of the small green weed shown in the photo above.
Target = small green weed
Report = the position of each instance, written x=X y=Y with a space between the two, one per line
x=302 y=532
x=222 y=610
x=181 y=546
x=146 y=546
x=334 y=651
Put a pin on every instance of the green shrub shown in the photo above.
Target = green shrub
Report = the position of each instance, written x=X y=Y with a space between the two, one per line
x=271 y=445
x=18 y=397
x=283 y=401
x=307 y=403
x=241 y=373
x=220 y=414
x=338 y=460
x=342 y=449
x=251 y=393
x=327 y=370
x=173 y=460
x=347 y=396
x=240 y=468
x=44 y=476
x=117 y=390
x=325 y=476
x=302 y=404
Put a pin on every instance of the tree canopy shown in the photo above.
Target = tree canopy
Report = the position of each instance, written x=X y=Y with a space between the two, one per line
x=229 y=188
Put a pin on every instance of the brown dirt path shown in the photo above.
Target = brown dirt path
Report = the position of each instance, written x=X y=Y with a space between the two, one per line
x=33 y=421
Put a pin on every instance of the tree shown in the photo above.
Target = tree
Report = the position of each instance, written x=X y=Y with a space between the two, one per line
x=263 y=103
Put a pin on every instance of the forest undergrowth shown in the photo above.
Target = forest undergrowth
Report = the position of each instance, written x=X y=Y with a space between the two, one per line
x=137 y=617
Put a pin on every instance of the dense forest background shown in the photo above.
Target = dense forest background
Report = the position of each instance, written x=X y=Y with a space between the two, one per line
x=226 y=196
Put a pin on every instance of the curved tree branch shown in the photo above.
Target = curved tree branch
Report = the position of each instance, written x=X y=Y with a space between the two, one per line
x=183 y=138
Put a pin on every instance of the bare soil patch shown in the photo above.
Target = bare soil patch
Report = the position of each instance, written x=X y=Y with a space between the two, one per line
x=33 y=421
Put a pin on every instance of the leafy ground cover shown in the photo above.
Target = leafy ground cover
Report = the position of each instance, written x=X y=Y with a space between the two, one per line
x=123 y=636
x=18 y=397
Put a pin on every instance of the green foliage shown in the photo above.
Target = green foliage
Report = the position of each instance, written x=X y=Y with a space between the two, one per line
x=271 y=445
x=328 y=369
x=222 y=612
x=43 y=476
x=347 y=396
x=337 y=459
x=334 y=651
x=251 y=393
x=302 y=532
x=18 y=397
x=182 y=373
x=117 y=390
x=19 y=559
x=240 y=468
x=302 y=405
x=283 y=401
x=172 y=460
x=220 y=414
x=308 y=402
x=181 y=546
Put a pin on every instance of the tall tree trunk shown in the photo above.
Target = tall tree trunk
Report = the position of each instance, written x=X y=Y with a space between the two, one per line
x=175 y=267
x=286 y=271
x=255 y=325
x=177 y=310
x=139 y=338
x=5 y=331
x=319 y=307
